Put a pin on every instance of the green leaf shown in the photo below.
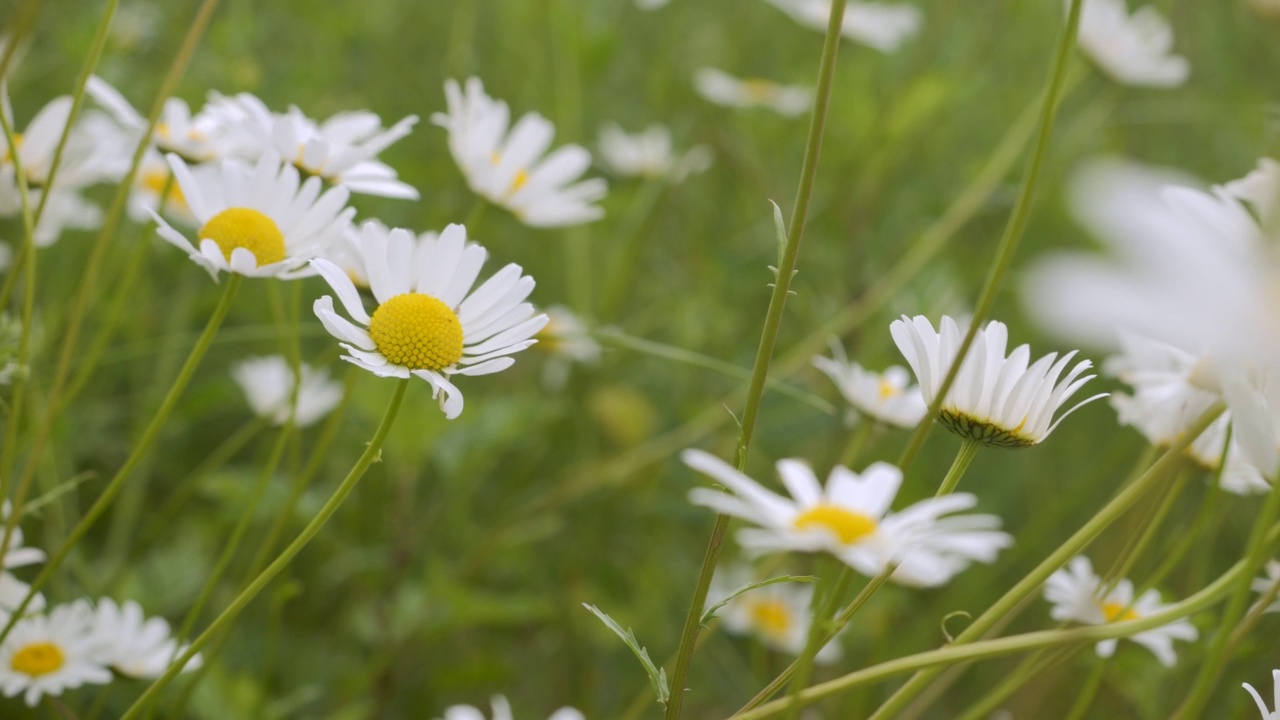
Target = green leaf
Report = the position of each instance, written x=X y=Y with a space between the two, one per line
x=657 y=676
x=780 y=229
x=711 y=611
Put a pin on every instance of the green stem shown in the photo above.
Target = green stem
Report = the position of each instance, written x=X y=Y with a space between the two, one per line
x=823 y=610
x=1013 y=230
x=764 y=353
x=371 y=453
x=968 y=448
x=1088 y=692
x=1027 y=669
x=1138 y=546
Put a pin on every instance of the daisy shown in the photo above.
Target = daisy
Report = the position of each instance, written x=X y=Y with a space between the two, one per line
x=777 y=614
x=883 y=26
x=196 y=138
x=12 y=590
x=1262 y=706
x=996 y=400
x=268 y=384
x=133 y=645
x=502 y=711
x=648 y=154
x=722 y=88
x=429 y=322
x=1133 y=50
x=47 y=654
x=508 y=168
x=1263 y=585
x=153 y=177
x=884 y=397
x=850 y=519
x=1075 y=593
x=258 y=221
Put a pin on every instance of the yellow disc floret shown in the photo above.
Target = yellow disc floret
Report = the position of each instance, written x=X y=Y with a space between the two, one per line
x=246 y=228
x=771 y=616
x=847 y=525
x=1116 y=612
x=38 y=659
x=417 y=331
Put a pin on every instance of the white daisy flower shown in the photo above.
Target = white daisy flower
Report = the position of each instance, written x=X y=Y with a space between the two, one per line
x=1074 y=592
x=268 y=386
x=850 y=519
x=1263 y=585
x=508 y=168
x=1262 y=706
x=258 y=221
x=12 y=590
x=886 y=397
x=1134 y=50
x=343 y=149
x=722 y=88
x=883 y=26
x=777 y=614
x=429 y=322
x=648 y=154
x=47 y=654
x=196 y=138
x=996 y=400
x=502 y=711
x=133 y=645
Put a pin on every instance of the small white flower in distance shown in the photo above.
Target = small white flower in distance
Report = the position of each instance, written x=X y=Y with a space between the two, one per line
x=258 y=221
x=648 y=154
x=48 y=654
x=1076 y=594
x=502 y=711
x=1133 y=50
x=883 y=26
x=722 y=88
x=886 y=397
x=1263 y=585
x=133 y=645
x=850 y=519
x=429 y=321
x=996 y=400
x=778 y=614
x=1262 y=706
x=509 y=168
x=268 y=386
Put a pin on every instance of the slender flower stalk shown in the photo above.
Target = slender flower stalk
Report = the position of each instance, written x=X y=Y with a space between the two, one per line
x=371 y=453
x=764 y=353
x=824 y=608
x=968 y=448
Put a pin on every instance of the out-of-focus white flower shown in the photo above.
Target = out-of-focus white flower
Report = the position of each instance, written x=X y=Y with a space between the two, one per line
x=1075 y=592
x=722 y=88
x=850 y=519
x=13 y=590
x=777 y=614
x=996 y=400
x=1260 y=189
x=502 y=711
x=268 y=385
x=131 y=644
x=196 y=138
x=509 y=168
x=1262 y=706
x=1263 y=585
x=652 y=4
x=566 y=340
x=648 y=154
x=1134 y=50
x=883 y=26
x=886 y=397
x=153 y=177
x=48 y=654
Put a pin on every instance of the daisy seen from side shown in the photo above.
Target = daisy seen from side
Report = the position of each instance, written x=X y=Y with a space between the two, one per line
x=722 y=88
x=268 y=384
x=886 y=397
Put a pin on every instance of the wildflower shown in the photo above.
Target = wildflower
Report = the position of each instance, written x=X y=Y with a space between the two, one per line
x=502 y=711
x=567 y=340
x=1133 y=50
x=883 y=26
x=47 y=654
x=153 y=177
x=778 y=614
x=133 y=645
x=1263 y=585
x=1075 y=592
x=850 y=519
x=268 y=384
x=1262 y=706
x=722 y=88
x=883 y=397
x=509 y=169
x=258 y=221
x=12 y=590
x=429 y=322
x=996 y=400
x=196 y=138
x=648 y=154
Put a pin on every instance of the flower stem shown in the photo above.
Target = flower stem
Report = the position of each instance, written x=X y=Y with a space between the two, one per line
x=1013 y=230
x=1026 y=670
x=823 y=610
x=371 y=453
x=1088 y=692
x=968 y=448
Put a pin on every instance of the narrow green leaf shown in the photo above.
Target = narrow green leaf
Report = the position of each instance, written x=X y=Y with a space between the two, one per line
x=657 y=677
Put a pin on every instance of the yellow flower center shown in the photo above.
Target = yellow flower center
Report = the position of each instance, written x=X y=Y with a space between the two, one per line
x=848 y=526
x=417 y=331
x=1115 y=612
x=246 y=228
x=771 y=616
x=38 y=659
x=517 y=182
x=887 y=390
x=156 y=181
x=758 y=89
x=8 y=152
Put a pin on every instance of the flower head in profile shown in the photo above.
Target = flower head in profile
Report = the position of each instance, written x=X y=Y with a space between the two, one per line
x=996 y=400
x=258 y=221
x=778 y=614
x=1133 y=49
x=429 y=321
x=133 y=645
x=722 y=88
x=1262 y=706
x=1077 y=595
x=850 y=519
x=649 y=154
x=268 y=384
x=886 y=397
x=48 y=654
x=883 y=26
x=502 y=711
x=512 y=169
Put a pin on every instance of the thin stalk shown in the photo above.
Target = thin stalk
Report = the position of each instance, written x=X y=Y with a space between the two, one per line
x=964 y=456
x=764 y=353
x=1027 y=669
x=371 y=453
x=1086 y=694
x=136 y=454
x=1013 y=230
x=627 y=250
x=823 y=611
x=1137 y=546
x=858 y=440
